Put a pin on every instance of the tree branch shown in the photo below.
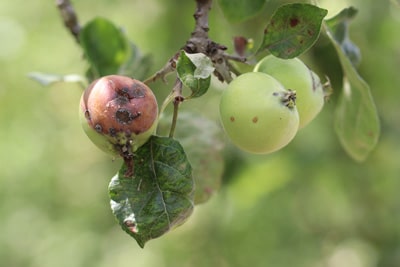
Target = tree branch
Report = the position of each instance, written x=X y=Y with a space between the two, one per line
x=69 y=17
x=199 y=42
x=168 y=68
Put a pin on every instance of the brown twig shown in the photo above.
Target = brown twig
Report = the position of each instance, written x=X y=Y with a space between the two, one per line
x=199 y=42
x=168 y=68
x=69 y=17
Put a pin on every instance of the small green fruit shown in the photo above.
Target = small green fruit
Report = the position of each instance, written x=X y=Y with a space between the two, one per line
x=258 y=114
x=119 y=114
x=295 y=75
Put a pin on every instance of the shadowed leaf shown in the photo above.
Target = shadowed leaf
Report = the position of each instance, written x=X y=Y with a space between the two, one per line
x=241 y=10
x=203 y=141
x=159 y=194
x=339 y=27
x=105 y=47
x=356 y=119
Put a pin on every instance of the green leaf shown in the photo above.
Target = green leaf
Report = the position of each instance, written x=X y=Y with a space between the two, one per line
x=240 y=10
x=356 y=119
x=339 y=27
x=292 y=30
x=105 y=47
x=203 y=141
x=47 y=79
x=159 y=194
x=194 y=70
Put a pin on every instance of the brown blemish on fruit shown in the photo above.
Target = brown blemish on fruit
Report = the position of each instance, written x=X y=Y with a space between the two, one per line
x=232 y=119
x=87 y=115
x=112 y=132
x=124 y=116
x=121 y=100
x=135 y=91
x=310 y=32
x=138 y=91
x=255 y=119
x=294 y=22
x=98 y=128
x=123 y=92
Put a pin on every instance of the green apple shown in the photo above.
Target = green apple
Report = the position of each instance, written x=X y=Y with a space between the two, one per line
x=258 y=114
x=295 y=75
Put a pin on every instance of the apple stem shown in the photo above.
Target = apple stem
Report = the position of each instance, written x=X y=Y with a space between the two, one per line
x=178 y=98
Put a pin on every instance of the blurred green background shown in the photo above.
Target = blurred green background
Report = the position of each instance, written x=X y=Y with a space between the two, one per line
x=306 y=205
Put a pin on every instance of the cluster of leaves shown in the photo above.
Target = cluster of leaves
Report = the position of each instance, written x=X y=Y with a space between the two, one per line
x=172 y=175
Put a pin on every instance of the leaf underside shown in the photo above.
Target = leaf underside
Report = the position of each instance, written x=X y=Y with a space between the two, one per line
x=356 y=119
x=239 y=10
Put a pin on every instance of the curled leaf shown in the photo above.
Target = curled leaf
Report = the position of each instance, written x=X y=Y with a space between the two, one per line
x=194 y=70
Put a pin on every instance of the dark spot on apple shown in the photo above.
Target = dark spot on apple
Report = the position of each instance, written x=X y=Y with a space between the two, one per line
x=310 y=32
x=121 y=99
x=138 y=91
x=112 y=132
x=87 y=115
x=255 y=119
x=294 y=22
x=98 y=128
x=232 y=119
x=123 y=92
x=124 y=116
